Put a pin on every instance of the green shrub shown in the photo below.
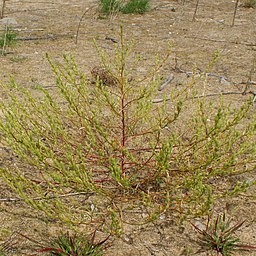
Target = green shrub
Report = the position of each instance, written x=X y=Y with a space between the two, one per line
x=131 y=6
x=249 y=3
x=110 y=6
x=102 y=155
x=136 y=6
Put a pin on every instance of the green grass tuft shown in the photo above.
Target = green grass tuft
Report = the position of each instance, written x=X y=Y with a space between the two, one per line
x=250 y=4
x=68 y=245
x=110 y=6
x=131 y=6
x=219 y=236
x=7 y=38
x=136 y=6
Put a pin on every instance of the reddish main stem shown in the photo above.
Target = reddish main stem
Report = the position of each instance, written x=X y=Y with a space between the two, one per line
x=123 y=139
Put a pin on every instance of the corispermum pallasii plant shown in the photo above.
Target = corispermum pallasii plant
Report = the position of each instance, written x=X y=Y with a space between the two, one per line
x=93 y=154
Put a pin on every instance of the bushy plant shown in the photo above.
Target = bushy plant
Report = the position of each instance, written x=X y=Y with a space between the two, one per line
x=131 y=6
x=103 y=154
x=110 y=6
x=136 y=6
x=249 y=3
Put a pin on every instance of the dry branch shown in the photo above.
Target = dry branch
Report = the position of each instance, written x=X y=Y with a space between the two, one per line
x=79 y=24
x=234 y=16
x=221 y=41
x=169 y=79
x=47 y=37
x=194 y=16
x=212 y=95
x=2 y=11
x=16 y=199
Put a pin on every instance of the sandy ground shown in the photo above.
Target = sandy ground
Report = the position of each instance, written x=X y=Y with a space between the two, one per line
x=51 y=27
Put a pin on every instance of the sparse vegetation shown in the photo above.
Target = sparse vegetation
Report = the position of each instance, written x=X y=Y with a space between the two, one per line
x=4 y=246
x=110 y=6
x=188 y=133
x=249 y=4
x=7 y=39
x=73 y=245
x=2 y=253
x=136 y=6
x=131 y=6
x=113 y=150
x=219 y=236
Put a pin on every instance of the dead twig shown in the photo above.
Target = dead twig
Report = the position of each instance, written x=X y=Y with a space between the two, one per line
x=169 y=79
x=217 y=94
x=213 y=95
x=194 y=16
x=3 y=8
x=80 y=21
x=10 y=199
x=221 y=41
x=234 y=16
x=191 y=73
x=47 y=37
x=34 y=38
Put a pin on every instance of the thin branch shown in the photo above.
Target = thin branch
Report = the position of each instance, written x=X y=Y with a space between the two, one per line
x=191 y=73
x=28 y=238
x=79 y=24
x=194 y=16
x=47 y=37
x=221 y=41
x=2 y=11
x=234 y=16
x=169 y=79
x=216 y=94
x=212 y=95
x=10 y=199
x=5 y=40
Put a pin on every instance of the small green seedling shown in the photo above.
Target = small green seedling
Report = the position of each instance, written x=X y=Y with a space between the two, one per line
x=219 y=236
x=7 y=39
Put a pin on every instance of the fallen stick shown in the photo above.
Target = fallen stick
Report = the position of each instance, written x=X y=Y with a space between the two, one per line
x=212 y=95
x=3 y=9
x=34 y=38
x=48 y=37
x=10 y=199
x=190 y=73
x=234 y=15
x=196 y=8
x=221 y=41
x=169 y=79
